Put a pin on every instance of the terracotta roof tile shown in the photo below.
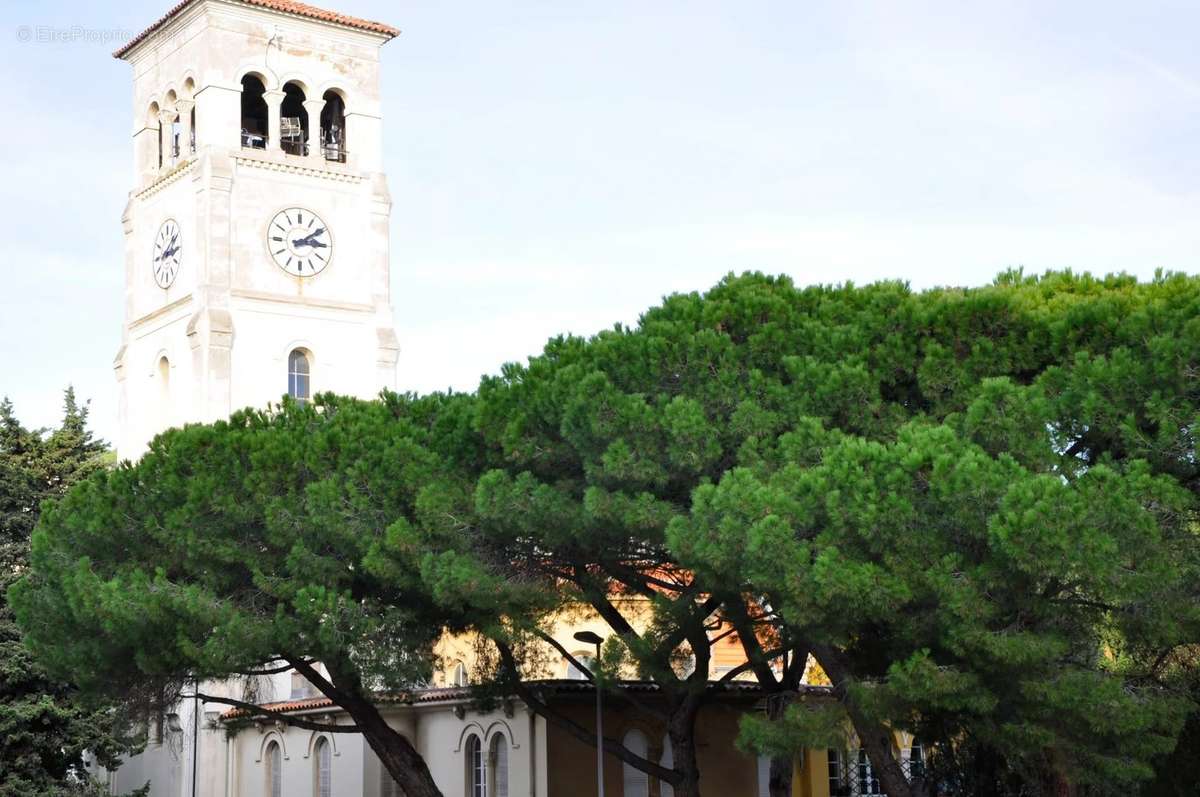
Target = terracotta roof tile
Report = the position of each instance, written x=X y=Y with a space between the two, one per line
x=558 y=686
x=286 y=6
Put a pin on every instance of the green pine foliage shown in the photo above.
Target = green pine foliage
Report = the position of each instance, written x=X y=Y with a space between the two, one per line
x=45 y=725
x=975 y=508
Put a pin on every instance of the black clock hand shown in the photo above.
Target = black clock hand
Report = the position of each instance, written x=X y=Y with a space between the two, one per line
x=310 y=242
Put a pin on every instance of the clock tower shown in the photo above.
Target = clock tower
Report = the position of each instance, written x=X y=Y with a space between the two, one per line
x=256 y=232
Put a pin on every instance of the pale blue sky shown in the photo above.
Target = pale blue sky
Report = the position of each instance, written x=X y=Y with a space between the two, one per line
x=559 y=166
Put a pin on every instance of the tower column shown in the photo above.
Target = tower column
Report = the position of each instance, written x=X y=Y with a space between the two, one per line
x=314 y=108
x=185 y=128
x=274 y=99
x=166 y=125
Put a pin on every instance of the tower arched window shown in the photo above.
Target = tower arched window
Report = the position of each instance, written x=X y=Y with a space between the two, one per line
x=635 y=782
x=333 y=127
x=274 y=759
x=322 y=769
x=293 y=120
x=299 y=374
x=155 y=124
x=254 y=113
x=164 y=390
x=476 y=768
x=177 y=137
x=189 y=90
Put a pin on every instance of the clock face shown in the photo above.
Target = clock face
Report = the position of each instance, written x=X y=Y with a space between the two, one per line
x=300 y=242
x=168 y=253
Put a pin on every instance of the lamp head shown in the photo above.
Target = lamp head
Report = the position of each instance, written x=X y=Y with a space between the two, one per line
x=589 y=637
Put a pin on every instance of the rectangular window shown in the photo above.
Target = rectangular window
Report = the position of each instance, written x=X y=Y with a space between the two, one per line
x=837 y=783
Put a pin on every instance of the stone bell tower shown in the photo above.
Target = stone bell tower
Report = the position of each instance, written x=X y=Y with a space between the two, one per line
x=256 y=232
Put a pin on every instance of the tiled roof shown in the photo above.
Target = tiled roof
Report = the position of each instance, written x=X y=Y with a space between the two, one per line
x=286 y=6
x=559 y=686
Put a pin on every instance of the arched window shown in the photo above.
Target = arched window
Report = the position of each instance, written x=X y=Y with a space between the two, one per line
x=274 y=759
x=499 y=766
x=293 y=120
x=322 y=766
x=459 y=675
x=298 y=376
x=476 y=772
x=333 y=127
x=667 y=761
x=154 y=123
x=176 y=132
x=189 y=91
x=254 y=113
x=584 y=658
x=164 y=391
x=635 y=782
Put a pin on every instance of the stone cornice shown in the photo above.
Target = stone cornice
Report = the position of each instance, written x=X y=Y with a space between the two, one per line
x=166 y=179
x=306 y=301
x=268 y=163
x=160 y=313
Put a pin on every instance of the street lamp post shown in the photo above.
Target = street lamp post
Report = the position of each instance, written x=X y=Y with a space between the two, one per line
x=590 y=638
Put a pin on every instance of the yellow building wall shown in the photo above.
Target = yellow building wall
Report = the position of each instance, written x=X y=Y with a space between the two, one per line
x=724 y=770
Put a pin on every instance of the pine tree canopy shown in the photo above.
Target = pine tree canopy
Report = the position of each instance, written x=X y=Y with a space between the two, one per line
x=975 y=509
x=45 y=725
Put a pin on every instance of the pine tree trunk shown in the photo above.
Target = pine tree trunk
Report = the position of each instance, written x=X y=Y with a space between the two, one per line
x=396 y=753
x=780 y=777
x=874 y=738
x=681 y=730
x=780 y=783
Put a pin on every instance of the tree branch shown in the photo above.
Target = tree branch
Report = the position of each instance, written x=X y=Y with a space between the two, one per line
x=558 y=646
x=271 y=671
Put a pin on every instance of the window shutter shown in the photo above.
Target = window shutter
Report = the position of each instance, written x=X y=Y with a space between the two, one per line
x=636 y=783
x=500 y=766
x=275 y=762
x=324 y=776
